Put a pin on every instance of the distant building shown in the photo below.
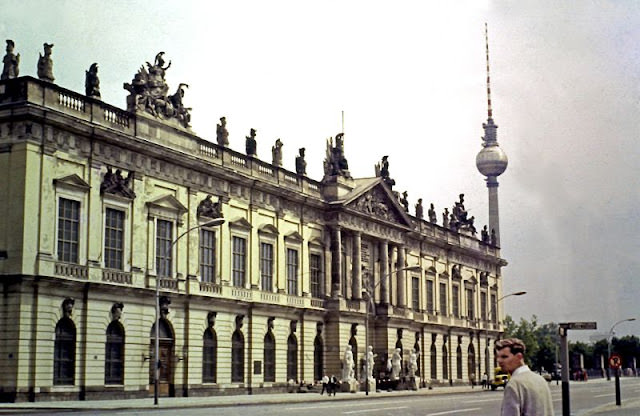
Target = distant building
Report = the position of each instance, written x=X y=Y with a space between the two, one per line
x=95 y=200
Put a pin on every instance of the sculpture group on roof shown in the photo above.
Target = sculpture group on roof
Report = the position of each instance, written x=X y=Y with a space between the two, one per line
x=335 y=163
x=382 y=171
x=149 y=93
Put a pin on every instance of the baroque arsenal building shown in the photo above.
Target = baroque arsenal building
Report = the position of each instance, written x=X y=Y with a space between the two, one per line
x=102 y=205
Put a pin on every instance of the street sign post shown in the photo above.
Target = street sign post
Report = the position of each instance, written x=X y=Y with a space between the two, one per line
x=615 y=362
x=564 y=357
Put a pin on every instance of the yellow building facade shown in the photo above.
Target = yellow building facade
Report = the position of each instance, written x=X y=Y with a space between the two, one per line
x=100 y=205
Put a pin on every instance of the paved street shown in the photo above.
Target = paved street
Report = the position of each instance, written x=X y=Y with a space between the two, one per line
x=587 y=399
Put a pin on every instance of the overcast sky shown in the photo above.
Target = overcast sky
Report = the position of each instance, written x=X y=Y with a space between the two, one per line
x=410 y=77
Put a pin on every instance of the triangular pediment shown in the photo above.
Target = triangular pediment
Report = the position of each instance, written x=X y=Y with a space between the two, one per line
x=168 y=202
x=374 y=198
x=268 y=229
x=240 y=223
x=294 y=237
x=72 y=181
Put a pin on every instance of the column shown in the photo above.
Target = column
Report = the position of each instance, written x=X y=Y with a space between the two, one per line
x=384 y=272
x=336 y=262
x=401 y=279
x=356 y=281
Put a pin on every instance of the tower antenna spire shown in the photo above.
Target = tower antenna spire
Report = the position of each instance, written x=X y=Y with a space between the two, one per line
x=486 y=38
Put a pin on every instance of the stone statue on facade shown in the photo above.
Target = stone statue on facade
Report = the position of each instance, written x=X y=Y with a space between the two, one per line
x=404 y=201
x=370 y=362
x=222 y=134
x=396 y=364
x=484 y=235
x=382 y=170
x=45 y=64
x=276 y=153
x=116 y=311
x=251 y=143
x=445 y=218
x=67 y=307
x=348 y=365
x=115 y=183
x=92 y=82
x=149 y=93
x=208 y=208
x=301 y=164
x=11 y=61
x=432 y=214
x=335 y=163
x=419 y=209
x=494 y=239
x=413 y=363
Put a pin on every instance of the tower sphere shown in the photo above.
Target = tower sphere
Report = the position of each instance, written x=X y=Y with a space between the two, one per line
x=491 y=160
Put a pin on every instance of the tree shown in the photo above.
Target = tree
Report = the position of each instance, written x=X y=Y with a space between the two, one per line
x=541 y=341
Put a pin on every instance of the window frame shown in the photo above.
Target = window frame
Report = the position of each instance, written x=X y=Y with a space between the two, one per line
x=239 y=259
x=208 y=251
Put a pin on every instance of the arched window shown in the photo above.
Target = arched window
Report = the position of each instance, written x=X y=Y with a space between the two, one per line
x=459 y=362
x=269 y=357
x=318 y=358
x=471 y=361
x=445 y=363
x=434 y=361
x=64 y=353
x=292 y=358
x=114 y=354
x=210 y=356
x=237 y=357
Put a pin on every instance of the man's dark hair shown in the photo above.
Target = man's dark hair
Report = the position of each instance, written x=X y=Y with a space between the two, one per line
x=515 y=345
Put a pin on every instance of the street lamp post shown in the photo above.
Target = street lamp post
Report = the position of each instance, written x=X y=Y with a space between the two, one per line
x=494 y=311
x=610 y=338
x=156 y=357
x=368 y=295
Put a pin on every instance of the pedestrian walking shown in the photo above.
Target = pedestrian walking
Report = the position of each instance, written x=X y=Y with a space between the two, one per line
x=325 y=385
x=484 y=381
x=526 y=393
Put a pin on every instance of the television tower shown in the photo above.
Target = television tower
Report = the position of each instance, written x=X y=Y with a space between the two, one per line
x=491 y=161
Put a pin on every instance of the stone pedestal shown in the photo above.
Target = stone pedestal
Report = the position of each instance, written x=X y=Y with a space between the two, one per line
x=413 y=383
x=372 y=385
x=349 y=386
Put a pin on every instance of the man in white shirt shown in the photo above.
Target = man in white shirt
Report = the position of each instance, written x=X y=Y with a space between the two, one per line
x=526 y=393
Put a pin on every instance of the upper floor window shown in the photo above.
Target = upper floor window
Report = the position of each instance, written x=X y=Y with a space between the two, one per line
x=266 y=266
x=470 y=304
x=292 y=271
x=430 y=308
x=114 y=239
x=415 y=293
x=68 y=230
x=483 y=305
x=443 y=299
x=164 y=257
x=455 y=301
x=207 y=255
x=239 y=266
x=315 y=266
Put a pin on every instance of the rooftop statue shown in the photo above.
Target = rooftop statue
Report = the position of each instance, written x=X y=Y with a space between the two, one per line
x=276 y=153
x=404 y=201
x=11 y=62
x=92 y=82
x=432 y=214
x=222 y=134
x=301 y=164
x=459 y=218
x=251 y=143
x=382 y=170
x=45 y=64
x=335 y=163
x=419 y=209
x=149 y=93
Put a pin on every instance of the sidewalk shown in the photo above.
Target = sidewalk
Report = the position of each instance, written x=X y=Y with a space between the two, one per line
x=220 y=401
x=629 y=407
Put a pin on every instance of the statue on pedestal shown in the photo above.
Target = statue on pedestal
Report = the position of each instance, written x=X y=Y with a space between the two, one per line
x=92 y=82
x=347 y=369
x=222 y=135
x=396 y=364
x=276 y=153
x=45 y=64
x=432 y=214
x=413 y=363
x=301 y=164
x=251 y=143
x=11 y=62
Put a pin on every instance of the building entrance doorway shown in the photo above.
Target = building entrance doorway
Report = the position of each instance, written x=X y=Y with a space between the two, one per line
x=167 y=361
